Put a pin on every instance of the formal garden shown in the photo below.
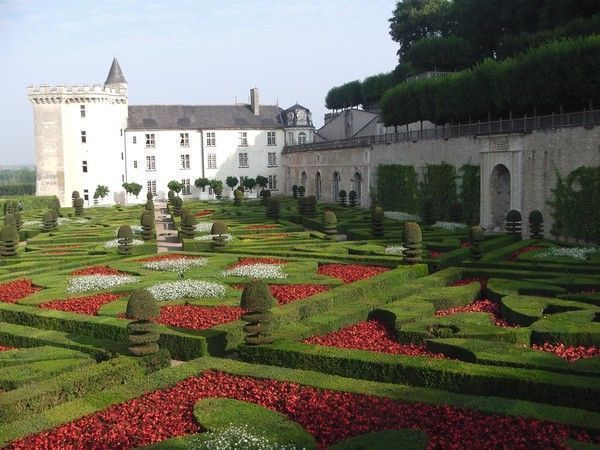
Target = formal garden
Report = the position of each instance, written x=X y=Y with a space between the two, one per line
x=287 y=323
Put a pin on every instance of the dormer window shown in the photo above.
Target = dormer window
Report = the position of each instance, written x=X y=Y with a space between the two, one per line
x=302 y=137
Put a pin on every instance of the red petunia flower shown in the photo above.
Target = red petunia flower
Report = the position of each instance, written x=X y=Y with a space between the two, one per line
x=349 y=273
x=88 y=305
x=14 y=291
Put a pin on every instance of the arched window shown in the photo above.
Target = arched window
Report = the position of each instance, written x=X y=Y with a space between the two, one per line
x=302 y=137
x=357 y=186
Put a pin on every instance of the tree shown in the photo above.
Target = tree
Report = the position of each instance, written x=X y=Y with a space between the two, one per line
x=217 y=187
x=261 y=181
x=231 y=182
x=175 y=186
x=142 y=307
x=201 y=183
x=101 y=191
x=133 y=188
x=249 y=183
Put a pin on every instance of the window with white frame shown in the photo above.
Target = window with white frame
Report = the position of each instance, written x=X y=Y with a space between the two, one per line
x=82 y=111
x=134 y=139
x=152 y=186
x=243 y=159
x=272 y=159
x=84 y=167
x=83 y=137
x=212 y=160
x=150 y=140
x=271 y=138
x=302 y=137
x=151 y=162
x=186 y=188
x=243 y=139
x=185 y=161
x=135 y=164
x=184 y=139
x=211 y=139
x=273 y=182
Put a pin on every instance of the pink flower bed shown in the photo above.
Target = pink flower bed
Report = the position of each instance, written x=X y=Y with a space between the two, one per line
x=349 y=273
x=251 y=261
x=571 y=354
x=88 y=305
x=5 y=349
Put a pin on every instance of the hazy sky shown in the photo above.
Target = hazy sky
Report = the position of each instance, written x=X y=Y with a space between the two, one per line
x=187 y=52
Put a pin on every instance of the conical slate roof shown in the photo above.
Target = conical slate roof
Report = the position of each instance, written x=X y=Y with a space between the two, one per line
x=115 y=74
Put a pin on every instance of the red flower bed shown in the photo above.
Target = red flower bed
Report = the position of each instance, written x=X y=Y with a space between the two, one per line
x=371 y=335
x=63 y=247
x=166 y=256
x=262 y=227
x=465 y=244
x=250 y=261
x=204 y=212
x=5 y=349
x=483 y=305
x=88 y=305
x=349 y=273
x=330 y=416
x=13 y=291
x=482 y=281
x=56 y=253
x=434 y=254
x=287 y=293
x=514 y=256
x=571 y=354
x=197 y=317
x=97 y=270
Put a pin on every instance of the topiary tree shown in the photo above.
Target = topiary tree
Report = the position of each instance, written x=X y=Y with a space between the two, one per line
x=513 y=222
x=427 y=212
x=330 y=221
x=9 y=240
x=257 y=302
x=294 y=191
x=352 y=197
x=262 y=182
x=301 y=191
x=249 y=183
x=264 y=196
x=132 y=188
x=343 y=196
x=143 y=338
x=149 y=196
x=310 y=206
x=101 y=192
x=10 y=207
x=273 y=208
x=171 y=197
x=78 y=204
x=49 y=221
x=456 y=212
x=177 y=206
x=237 y=197
x=18 y=220
x=201 y=183
x=231 y=182
x=241 y=188
x=149 y=206
x=412 y=241
x=147 y=223
x=476 y=236
x=377 y=229
x=55 y=205
x=536 y=224
x=125 y=239
x=175 y=186
x=74 y=196
x=10 y=220
x=218 y=229
x=187 y=228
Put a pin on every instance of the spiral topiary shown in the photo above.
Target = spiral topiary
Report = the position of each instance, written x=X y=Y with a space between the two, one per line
x=310 y=206
x=237 y=197
x=142 y=336
x=265 y=194
x=294 y=191
x=273 y=208
x=55 y=205
x=330 y=221
x=49 y=221
x=170 y=196
x=188 y=224
x=427 y=212
x=301 y=191
x=18 y=219
x=125 y=239
x=513 y=222
x=10 y=207
x=9 y=240
x=149 y=206
x=10 y=220
x=343 y=196
x=257 y=302
x=536 y=224
x=218 y=229
x=74 y=196
x=412 y=241
x=352 y=197
x=78 y=204
x=377 y=229
x=177 y=206
x=476 y=236
x=147 y=223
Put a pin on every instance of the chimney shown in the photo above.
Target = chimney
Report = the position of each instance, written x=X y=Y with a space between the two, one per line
x=254 y=101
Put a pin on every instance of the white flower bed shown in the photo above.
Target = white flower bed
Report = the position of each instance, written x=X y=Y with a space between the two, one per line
x=208 y=237
x=401 y=216
x=449 y=226
x=86 y=283
x=203 y=227
x=394 y=249
x=237 y=437
x=115 y=243
x=29 y=223
x=580 y=253
x=187 y=289
x=63 y=220
x=175 y=265
x=256 y=271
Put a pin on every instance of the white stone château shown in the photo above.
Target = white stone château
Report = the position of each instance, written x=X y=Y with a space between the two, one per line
x=87 y=136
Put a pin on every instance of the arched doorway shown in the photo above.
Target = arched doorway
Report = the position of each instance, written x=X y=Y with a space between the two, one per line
x=335 y=187
x=318 y=185
x=499 y=195
x=357 y=186
x=303 y=179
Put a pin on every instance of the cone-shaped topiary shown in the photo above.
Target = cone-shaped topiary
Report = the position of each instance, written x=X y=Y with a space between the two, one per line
x=427 y=212
x=55 y=205
x=377 y=222
x=149 y=206
x=74 y=196
x=310 y=206
x=237 y=197
x=257 y=302
x=536 y=224
x=142 y=307
x=476 y=236
x=330 y=221
x=513 y=222
x=301 y=205
x=10 y=220
x=125 y=238
x=49 y=220
x=9 y=240
x=170 y=197
x=18 y=219
x=78 y=204
x=177 y=206
x=456 y=211
x=352 y=197
x=412 y=241
x=294 y=191
x=188 y=224
x=343 y=196
x=147 y=223
x=273 y=208
x=10 y=207
x=301 y=191
x=218 y=229
x=265 y=194
x=149 y=196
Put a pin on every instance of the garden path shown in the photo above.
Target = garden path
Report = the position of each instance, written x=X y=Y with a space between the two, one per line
x=166 y=234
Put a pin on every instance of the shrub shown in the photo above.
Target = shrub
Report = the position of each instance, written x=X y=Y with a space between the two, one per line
x=352 y=197
x=125 y=239
x=149 y=206
x=476 y=236
x=218 y=190
x=188 y=224
x=175 y=186
x=170 y=197
x=397 y=187
x=149 y=196
x=262 y=181
x=231 y=182
x=301 y=191
x=412 y=241
x=147 y=223
x=427 y=212
x=536 y=224
x=273 y=208
x=513 y=222
x=294 y=191
x=257 y=302
x=74 y=196
x=49 y=220
x=78 y=204
x=264 y=196
x=238 y=195
x=143 y=338
x=9 y=240
x=219 y=228
x=10 y=207
x=301 y=205
x=330 y=221
x=55 y=205
x=310 y=206
x=177 y=206
x=10 y=220
x=377 y=229
x=343 y=195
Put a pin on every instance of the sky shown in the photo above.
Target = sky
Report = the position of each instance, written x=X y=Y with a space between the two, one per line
x=187 y=52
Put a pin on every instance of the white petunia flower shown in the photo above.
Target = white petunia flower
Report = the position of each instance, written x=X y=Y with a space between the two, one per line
x=203 y=227
x=256 y=271
x=401 y=216
x=236 y=437
x=449 y=226
x=175 y=265
x=174 y=290
x=86 y=283
x=580 y=253
x=394 y=249
x=115 y=243
x=208 y=237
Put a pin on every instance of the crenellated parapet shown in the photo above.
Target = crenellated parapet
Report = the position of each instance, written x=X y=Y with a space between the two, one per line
x=93 y=93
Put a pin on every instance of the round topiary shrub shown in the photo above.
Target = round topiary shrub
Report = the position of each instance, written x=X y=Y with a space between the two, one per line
x=513 y=222
x=142 y=307
x=147 y=223
x=273 y=208
x=536 y=224
x=476 y=236
x=330 y=221
x=9 y=240
x=294 y=191
x=149 y=206
x=377 y=229
x=237 y=197
x=149 y=196
x=427 y=212
x=412 y=241
x=49 y=221
x=125 y=239
x=10 y=207
x=218 y=229
x=257 y=302
x=352 y=197
x=177 y=206
x=188 y=224
x=78 y=204
x=343 y=196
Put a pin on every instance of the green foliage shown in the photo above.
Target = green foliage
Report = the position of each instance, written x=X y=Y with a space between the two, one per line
x=101 y=191
x=142 y=305
x=78 y=205
x=412 y=237
x=74 y=196
x=237 y=197
x=440 y=53
x=231 y=182
x=49 y=220
x=149 y=196
x=439 y=187
x=301 y=191
x=262 y=181
x=295 y=191
x=249 y=183
x=330 y=221
x=217 y=187
x=273 y=208
x=310 y=206
x=55 y=204
x=143 y=339
x=397 y=187
x=10 y=207
x=175 y=186
x=264 y=194
x=177 y=206
x=10 y=220
x=133 y=188
x=352 y=197
x=147 y=223
x=456 y=212
x=257 y=302
x=343 y=195
x=9 y=240
x=188 y=224
x=201 y=183
x=125 y=238
x=256 y=296
x=344 y=96
x=513 y=222
x=427 y=213
x=476 y=236
x=373 y=87
x=219 y=227
x=377 y=229
x=536 y=224
x=470 y=193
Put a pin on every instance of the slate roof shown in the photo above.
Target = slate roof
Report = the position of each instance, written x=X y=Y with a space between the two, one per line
x=162 y=117
x=115 y=74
